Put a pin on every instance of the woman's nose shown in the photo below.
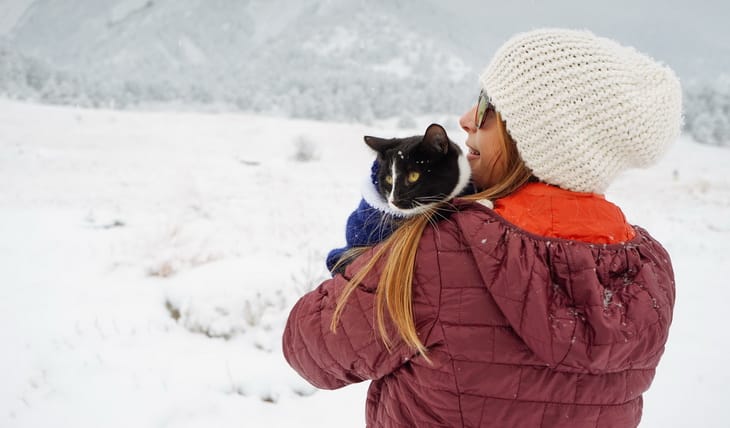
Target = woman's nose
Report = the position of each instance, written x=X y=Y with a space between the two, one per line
x=466 y=121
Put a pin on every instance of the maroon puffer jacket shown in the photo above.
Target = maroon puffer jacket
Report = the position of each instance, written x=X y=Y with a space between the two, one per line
x=522 y=331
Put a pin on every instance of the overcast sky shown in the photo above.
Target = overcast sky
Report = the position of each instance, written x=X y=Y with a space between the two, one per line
x=692 y=37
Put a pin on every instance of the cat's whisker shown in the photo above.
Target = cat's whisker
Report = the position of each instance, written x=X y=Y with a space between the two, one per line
x=438 y=213
x=432 y=222
x=387 y=223
x=384 y=222
x=449 y=207
x=430 y=212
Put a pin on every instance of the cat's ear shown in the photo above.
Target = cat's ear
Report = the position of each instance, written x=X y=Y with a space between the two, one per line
x=436 y=138
x=380 y=145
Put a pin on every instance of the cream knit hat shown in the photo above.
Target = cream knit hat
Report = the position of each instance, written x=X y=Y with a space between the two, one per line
x=583 y=108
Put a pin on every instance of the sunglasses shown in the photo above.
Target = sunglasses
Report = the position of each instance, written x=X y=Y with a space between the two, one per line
x=484 y=105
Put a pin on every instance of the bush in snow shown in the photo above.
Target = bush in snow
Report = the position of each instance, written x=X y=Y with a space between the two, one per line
x=305 y=150
x=245 y=296
x=707 y=111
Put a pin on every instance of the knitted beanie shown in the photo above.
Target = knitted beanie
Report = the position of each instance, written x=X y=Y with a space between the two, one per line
x=583 y=108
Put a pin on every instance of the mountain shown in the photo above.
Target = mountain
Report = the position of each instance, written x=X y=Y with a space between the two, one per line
x=344 y=60
x=317 y=59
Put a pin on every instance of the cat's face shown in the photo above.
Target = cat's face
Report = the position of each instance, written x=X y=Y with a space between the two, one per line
x=415 y=173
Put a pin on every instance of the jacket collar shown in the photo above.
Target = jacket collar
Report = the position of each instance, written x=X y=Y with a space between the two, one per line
x=550 y=211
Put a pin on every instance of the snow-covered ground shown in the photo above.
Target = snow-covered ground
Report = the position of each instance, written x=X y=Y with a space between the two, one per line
x=148 y=261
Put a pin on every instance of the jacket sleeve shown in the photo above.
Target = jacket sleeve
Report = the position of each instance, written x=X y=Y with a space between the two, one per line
x=355 y=352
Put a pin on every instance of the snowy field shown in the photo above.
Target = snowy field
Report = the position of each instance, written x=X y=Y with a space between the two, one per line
x=148 y=262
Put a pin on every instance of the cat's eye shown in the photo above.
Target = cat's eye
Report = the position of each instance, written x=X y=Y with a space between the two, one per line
x=389 y=179
x=413 y=176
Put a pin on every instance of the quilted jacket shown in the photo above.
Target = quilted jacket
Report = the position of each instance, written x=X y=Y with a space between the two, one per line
x=522 y=330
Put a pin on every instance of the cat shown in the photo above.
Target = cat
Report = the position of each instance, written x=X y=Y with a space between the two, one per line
x=412 y=175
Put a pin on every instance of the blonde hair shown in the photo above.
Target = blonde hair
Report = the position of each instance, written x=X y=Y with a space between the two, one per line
x=394 y=291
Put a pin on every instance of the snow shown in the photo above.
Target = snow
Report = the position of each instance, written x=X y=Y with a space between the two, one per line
x=149 y=261
x=396 y=67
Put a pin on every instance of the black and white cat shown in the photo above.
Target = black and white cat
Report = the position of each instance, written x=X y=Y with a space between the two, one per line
x=414 y=174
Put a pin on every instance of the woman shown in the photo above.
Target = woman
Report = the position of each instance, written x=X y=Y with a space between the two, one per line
x=535 y=304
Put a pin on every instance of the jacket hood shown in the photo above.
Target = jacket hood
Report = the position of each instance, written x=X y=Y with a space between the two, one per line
x=578 y=306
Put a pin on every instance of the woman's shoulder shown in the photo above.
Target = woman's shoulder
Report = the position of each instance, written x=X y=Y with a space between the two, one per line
x=542 y=210
x=465 y=218
x=477 y=223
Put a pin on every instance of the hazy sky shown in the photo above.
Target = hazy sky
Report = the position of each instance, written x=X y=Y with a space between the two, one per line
x=692 y=37
x=317 y=58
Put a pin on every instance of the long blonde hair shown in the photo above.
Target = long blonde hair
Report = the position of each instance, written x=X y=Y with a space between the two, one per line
x=394 y=291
